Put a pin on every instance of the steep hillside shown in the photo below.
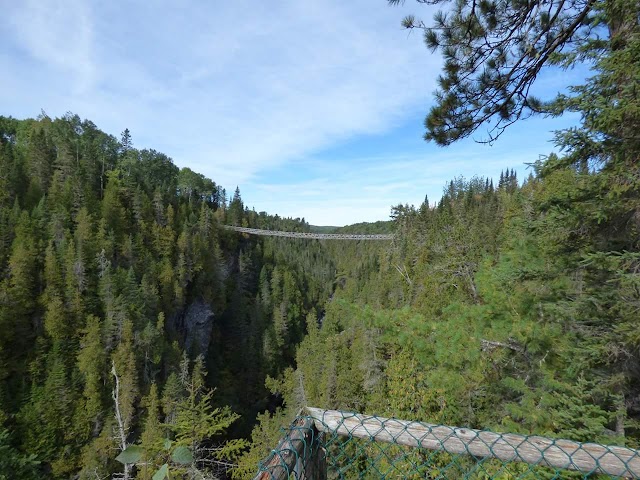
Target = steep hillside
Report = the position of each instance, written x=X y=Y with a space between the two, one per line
x=116 y=277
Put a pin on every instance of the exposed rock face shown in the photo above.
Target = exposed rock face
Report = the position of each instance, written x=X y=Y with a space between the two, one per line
x=197 y=325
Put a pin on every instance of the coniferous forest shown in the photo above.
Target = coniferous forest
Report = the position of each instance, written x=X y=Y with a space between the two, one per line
x=138 y=336
x=115 y=272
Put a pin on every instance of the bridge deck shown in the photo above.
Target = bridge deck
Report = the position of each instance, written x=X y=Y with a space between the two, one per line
x=318 y=236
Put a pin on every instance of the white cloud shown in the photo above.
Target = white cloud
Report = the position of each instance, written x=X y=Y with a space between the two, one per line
x=57 y=34
x=343 y=191
x=232 y=88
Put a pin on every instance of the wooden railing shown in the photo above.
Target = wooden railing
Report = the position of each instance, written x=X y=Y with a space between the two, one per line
x=303 y=451
x=299 y=453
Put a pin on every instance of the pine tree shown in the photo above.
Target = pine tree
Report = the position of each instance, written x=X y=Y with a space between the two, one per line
x=126 y=143
x=124 y=361
x=197 y=420
x=236 y=209
x=510 y=44
x=13 y=463
x=153 y=435
x=40 y=157
x=91 y=364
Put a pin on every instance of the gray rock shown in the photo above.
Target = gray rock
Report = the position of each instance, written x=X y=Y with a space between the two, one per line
x=197 y=325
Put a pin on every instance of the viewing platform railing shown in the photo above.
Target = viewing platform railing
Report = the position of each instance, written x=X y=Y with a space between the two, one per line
x=331 y=444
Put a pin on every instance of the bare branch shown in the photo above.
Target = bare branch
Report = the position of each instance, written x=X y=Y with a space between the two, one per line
x=488 y=345
x=123 y=430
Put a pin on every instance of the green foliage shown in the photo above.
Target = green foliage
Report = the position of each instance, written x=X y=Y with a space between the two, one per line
x=182 y=455
x=162 y=473
x=104 y=251
x=475 y=320
x=192 y=423
x=494 y=51
x=13 y=463
x=132 y=454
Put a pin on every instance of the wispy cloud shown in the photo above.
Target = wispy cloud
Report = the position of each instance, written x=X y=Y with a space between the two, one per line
x=339 y=191
x=60 y=35
x=232 y=88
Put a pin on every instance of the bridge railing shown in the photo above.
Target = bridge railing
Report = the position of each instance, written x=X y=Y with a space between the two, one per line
x=331 y=444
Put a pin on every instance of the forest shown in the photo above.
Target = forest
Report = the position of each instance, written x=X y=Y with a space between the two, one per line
x=141 y=339
x=115 y=272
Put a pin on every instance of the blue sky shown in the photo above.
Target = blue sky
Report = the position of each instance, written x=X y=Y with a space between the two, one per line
x=314 y=109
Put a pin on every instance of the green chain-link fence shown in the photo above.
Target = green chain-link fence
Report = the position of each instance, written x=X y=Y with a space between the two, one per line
x=330 y=444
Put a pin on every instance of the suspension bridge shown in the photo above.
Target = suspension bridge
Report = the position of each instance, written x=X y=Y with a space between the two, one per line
x=317 y=236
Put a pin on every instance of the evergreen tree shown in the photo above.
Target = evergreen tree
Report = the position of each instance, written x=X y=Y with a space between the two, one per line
x=153 y=435
x=91 y=364
x=126 y=143
x=494 y=51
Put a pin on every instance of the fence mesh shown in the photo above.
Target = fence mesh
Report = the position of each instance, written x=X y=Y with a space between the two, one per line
x=329 y=444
